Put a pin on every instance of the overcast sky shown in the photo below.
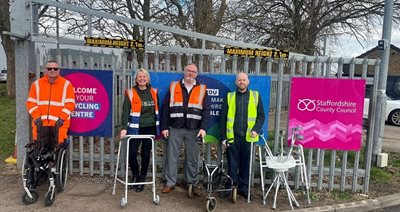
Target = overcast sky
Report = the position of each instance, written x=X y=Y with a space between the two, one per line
x=350 y=47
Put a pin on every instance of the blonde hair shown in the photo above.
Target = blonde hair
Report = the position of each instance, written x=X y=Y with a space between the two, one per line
x=136 y=74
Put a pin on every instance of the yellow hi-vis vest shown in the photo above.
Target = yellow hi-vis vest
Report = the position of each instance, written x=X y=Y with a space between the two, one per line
x=251 y=115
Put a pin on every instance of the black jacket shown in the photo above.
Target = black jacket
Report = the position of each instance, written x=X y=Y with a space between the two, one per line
x=240 y=124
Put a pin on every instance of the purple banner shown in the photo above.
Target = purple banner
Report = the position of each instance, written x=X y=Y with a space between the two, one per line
x=93 y=95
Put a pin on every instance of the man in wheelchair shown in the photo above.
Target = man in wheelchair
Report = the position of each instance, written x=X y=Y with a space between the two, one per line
x=50 y=102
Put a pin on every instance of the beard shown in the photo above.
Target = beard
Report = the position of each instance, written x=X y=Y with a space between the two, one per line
x=189 y=79
x=242 y=88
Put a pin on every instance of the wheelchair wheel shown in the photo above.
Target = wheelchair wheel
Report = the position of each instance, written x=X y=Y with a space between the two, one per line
x=27 y=200
x=48 y=200
x=62 y=170
x=234 y=194
x=211 y=204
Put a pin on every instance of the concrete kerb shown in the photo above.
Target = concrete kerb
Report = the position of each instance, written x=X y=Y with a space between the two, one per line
x=364 y=205
x=390 y=200
x=390 y=144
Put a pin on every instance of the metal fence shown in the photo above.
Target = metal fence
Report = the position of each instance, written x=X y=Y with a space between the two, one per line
x=97 y=155
x=326 y=168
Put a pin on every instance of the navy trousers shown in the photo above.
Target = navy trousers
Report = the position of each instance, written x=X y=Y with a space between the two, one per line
x=238 y=155
x=139 y=175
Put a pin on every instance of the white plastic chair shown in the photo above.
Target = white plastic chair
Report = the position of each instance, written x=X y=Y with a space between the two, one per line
x=280 y=164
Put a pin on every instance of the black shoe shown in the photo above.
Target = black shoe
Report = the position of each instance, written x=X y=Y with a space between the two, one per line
x=133 y=180
x=244 y=194
x=139 y=188
x=132 y=187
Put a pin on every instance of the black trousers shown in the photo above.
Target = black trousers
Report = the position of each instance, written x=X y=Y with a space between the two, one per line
x=139 y=175
x=238 y=155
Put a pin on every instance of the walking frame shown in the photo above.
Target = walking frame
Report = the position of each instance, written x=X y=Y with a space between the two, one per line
x=125 y=181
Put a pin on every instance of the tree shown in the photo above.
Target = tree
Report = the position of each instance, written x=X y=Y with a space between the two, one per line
x=204 y=16
x=299 y=25
x=8 y=45
x=77 y=24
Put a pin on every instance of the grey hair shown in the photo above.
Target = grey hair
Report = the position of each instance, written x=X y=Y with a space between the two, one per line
x=145 y=72
x=191 y=64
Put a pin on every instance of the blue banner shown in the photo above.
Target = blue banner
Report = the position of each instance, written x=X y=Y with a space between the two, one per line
x=93 y=95
x=218 y=86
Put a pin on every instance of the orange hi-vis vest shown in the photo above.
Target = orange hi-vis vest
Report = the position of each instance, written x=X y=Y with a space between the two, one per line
x=136 y=108
x=194 y=107
x=51 y=101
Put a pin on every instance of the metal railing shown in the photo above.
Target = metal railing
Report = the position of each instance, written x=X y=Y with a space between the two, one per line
x=97 y=155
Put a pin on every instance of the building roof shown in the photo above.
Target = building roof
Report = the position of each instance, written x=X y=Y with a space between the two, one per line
x=375 y=49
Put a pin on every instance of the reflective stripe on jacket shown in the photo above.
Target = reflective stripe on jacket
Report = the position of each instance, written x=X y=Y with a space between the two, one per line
x=51 y=101
x=194 y=107
x=251 y=115
x=136 y=108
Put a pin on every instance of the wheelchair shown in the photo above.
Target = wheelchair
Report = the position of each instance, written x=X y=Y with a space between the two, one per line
x=44 y=161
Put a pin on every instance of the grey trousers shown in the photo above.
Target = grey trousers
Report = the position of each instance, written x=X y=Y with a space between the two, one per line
x=176 y=137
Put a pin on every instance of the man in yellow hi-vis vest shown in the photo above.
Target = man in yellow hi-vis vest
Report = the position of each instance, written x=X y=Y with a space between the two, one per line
x=242 y=118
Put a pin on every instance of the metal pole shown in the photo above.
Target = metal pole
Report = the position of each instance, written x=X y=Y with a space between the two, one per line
x=325 y=54
x=89 y=21
x=58 y=36
x=383 y=69
x=24 y=61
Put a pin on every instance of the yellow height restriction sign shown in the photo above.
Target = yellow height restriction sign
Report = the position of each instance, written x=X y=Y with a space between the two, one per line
x=114 y=43
x=274 y=53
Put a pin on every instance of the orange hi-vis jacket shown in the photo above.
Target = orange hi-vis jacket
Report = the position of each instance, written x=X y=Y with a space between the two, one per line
x=136 y=109
x=194 y=108
x=51 y=102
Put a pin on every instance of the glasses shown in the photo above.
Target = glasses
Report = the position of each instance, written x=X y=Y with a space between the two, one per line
x=191 y=71
x=52 y=68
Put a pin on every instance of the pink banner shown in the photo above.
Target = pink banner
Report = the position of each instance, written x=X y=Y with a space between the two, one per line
x=329 y=111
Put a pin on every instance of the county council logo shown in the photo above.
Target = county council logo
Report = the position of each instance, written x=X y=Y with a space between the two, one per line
x=306 y=104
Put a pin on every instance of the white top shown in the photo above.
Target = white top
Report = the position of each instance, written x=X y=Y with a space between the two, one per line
x=189 y=86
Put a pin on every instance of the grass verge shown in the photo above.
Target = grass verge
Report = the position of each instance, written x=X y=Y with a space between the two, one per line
x=7 y=124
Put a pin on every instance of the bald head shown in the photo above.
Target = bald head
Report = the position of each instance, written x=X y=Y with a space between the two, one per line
x=242 y=81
